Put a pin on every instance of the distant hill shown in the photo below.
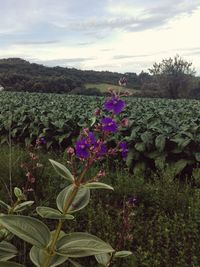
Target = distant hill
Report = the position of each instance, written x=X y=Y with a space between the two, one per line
x=17 y=74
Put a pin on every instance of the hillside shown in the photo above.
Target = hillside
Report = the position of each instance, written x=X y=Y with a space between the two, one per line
x=20 y=75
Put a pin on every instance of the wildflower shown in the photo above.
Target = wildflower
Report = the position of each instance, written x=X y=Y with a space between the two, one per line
x=101 y=150
x=97 y=112
x=124 y=122
x=101 y=173
x=131 y=201
x=70 y=151
x=109 y=125
x=114 y=104
x=42 y=141
x=82 y=148
x=85 y=145
x=123 y=149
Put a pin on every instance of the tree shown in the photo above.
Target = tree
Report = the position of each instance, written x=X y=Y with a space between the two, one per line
x=174 y=76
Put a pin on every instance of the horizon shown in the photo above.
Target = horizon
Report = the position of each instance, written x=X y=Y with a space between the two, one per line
x=117 y=36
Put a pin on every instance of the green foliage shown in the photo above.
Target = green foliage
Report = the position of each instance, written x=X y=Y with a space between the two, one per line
x=56 y=247
x=27 y=228
x=174 y=76
x=160 y=132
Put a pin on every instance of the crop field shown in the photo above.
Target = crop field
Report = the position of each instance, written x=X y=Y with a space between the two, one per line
x=156 y=197
x=161 y=133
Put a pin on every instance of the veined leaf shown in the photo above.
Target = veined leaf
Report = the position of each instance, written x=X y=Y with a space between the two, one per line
x=98 y=185
x=103 y=259
x=46 y=212
x=22 y=206
x=62 y=170
x=27 y=228
x=123 y=254
x=4 y=205
x=76 y=245
x=80 y=201
x=38 y=256
x=10 y=264
x=7 y=251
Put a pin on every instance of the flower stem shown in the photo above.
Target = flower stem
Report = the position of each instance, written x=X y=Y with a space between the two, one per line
x=68 y=203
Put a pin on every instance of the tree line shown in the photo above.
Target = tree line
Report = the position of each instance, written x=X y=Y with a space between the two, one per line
x=172 y=78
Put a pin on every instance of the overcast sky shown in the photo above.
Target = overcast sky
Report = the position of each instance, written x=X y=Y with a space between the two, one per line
x=115 y=35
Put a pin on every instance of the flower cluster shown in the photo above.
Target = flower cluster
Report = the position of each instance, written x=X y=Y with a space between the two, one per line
x=115 y=104
x=90 y=146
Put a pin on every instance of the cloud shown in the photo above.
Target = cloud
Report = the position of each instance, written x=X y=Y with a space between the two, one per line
x=130 y=56
x=37 y=42
x=63 y=61
x=120 y=18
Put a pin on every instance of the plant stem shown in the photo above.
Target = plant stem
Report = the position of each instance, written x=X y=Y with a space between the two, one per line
x=60 y=223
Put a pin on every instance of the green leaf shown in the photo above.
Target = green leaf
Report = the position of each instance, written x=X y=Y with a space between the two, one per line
x=103 y=259
x=76 y=245
x=98 y=185
x=38 y=257
x=146 y=138
x=140 y=147
x=123 y=254
x=132 y=155
x=160 y=142
x=75 y=263
x=178 y=166
x=10 y=264
x=93 y=120
x=46 y=212
x=27 y=228
x=4 y=205
x=197 y=156
x=80 y=201
x=62 y=170
x=22 y=206
x=18 y=192
x=7 y=251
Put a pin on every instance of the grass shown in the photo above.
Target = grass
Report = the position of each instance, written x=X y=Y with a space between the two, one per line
x=165 y=222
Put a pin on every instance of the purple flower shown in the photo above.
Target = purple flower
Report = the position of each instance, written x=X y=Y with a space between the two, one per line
x=82 y=148
x=91 y=139
x=102 y=150
x=84 y=145
x=114 y=104
x=42 y=140
x=123 y=149
x=109 y=125
x=131 y=201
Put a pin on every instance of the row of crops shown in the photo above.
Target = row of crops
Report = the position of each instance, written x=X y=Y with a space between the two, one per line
x=161 y=133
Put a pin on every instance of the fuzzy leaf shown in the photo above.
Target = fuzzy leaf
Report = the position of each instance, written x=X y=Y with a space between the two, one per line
x=80 y=201
x=46 y=212
x=10 y=264
x=27 y=228
x=122 y=254
x=98 y=185
x=22 y=206
x=76 y=245
x=38 y=256
x=7 y=251
x=62 y=170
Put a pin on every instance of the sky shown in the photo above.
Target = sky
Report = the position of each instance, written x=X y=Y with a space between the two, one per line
x=115 y=35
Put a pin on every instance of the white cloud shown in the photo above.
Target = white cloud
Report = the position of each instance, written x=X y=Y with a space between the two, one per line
x=115 y=35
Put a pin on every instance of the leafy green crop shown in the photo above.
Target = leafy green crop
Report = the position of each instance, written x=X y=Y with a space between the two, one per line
x=161 y=133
